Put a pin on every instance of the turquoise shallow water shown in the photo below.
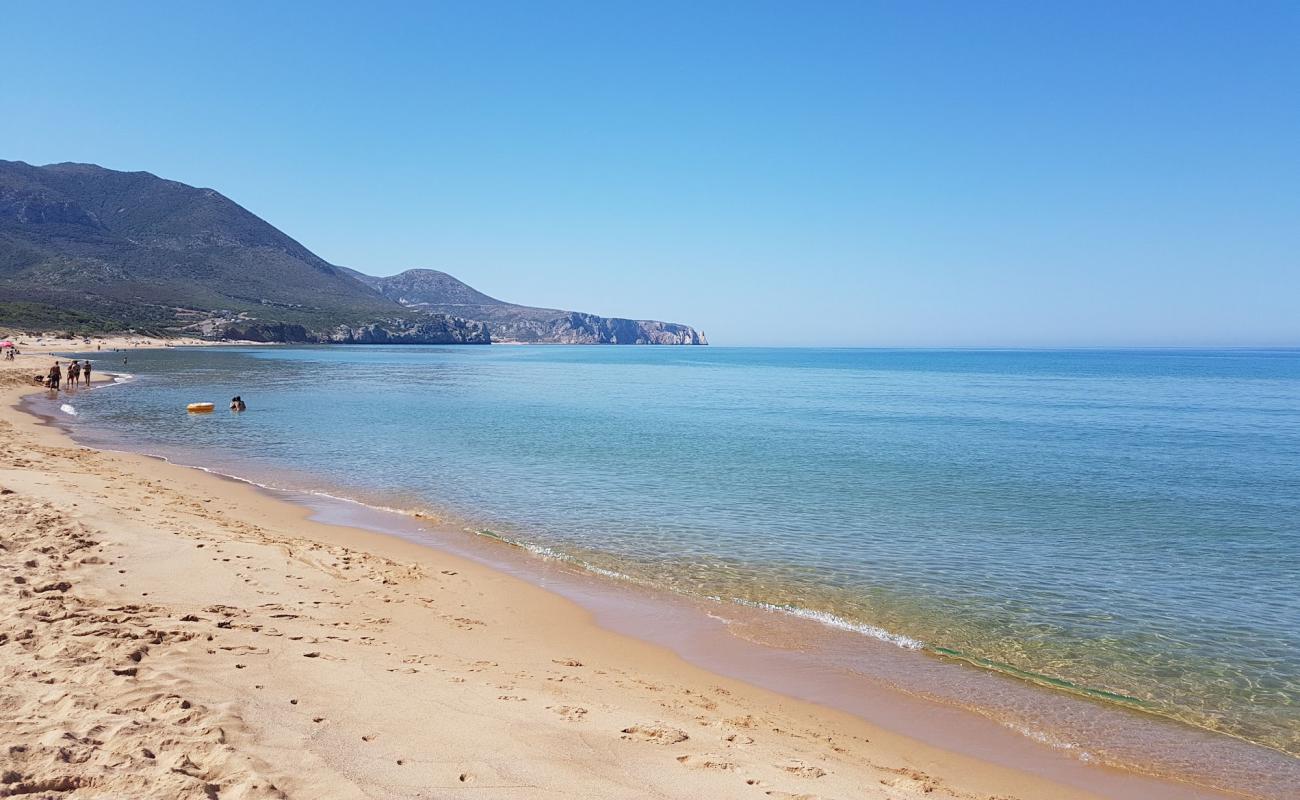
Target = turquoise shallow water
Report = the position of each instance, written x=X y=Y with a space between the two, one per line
x=1119 y=524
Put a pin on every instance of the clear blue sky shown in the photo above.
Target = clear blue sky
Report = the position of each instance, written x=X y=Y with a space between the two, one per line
x=901 y=173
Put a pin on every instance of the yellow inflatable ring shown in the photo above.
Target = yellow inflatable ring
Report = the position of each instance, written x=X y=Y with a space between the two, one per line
x=200 y=408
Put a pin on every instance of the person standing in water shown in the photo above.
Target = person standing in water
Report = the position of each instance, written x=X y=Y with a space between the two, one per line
x=74 y=374
x=55 y=377
x=85 y=371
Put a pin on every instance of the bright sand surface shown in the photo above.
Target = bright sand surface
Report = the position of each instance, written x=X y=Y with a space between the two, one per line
x=168 y=633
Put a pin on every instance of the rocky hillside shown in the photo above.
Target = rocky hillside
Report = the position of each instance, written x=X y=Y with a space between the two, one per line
x=88 y=249
x=438 y=292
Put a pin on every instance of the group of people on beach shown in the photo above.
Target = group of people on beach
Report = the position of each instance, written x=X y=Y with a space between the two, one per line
x=76 y=371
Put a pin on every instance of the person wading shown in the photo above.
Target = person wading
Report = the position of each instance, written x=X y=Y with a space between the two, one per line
x=55 y=377
x=85 y=372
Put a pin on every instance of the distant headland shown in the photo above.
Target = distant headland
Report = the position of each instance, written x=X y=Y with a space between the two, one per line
x=86 y=249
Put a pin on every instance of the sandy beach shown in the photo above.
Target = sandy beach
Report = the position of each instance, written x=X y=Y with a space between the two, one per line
x=168 y=633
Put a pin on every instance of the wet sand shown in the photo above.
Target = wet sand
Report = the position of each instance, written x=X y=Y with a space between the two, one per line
x=169 y=633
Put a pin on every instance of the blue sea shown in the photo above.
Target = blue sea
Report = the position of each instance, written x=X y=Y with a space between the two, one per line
x=1117 y=525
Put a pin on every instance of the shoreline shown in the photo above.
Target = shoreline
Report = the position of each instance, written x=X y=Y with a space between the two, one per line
x=873 y=756
x=699 y=636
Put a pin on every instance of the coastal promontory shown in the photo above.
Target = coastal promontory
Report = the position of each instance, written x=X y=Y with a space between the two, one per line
x=85 y=249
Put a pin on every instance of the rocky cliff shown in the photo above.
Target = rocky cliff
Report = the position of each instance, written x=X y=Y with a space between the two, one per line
x=437 y=292
x=435 y=329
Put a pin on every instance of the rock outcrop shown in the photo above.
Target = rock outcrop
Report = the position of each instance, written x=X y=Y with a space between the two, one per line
x=574 y=327
x=262 y=332
x=435 y=330
x=437 y=292
x=440 y=330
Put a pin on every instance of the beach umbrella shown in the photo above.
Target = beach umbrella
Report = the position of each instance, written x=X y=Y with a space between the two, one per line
x=6 y=344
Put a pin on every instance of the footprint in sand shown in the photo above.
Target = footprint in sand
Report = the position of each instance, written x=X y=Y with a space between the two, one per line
x=706 y=761
x=570 y=713
x=655 y=734
x=912 y=780
x=795 y=767
x=323 y=656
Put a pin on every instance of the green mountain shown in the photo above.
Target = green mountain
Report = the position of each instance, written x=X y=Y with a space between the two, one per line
x=89 y=249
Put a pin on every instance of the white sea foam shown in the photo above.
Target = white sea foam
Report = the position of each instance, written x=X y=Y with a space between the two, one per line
x=1055 y=742
x=825 y=618
x=118 y=378
x=269 y=486
x=542 y=551
x=833 y=621
x=67 y=408
x=608 y=573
